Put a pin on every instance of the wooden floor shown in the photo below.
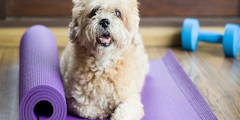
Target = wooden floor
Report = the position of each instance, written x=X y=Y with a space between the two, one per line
x=216 y=76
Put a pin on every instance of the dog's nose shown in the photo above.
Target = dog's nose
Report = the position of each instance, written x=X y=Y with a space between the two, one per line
x=105 y=23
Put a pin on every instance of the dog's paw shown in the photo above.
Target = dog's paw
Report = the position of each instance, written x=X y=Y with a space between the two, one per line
x=128 y=111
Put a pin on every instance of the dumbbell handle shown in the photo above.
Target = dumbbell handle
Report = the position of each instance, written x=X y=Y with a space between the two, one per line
x=209 y=36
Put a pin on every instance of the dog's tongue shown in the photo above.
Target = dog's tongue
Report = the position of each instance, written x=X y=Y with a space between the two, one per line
x=105 y=39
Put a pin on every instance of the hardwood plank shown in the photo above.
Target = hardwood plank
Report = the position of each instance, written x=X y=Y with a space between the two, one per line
x=9 y=84
x=11 y=36
x=229 y=107
x=189 y=8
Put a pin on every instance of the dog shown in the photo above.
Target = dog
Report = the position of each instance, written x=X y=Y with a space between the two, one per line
x=104 y=65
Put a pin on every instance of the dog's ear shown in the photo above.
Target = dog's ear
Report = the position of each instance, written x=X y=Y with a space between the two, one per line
x=73 y=31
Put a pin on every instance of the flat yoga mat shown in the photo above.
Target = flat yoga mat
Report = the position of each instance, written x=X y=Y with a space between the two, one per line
x=168 y=94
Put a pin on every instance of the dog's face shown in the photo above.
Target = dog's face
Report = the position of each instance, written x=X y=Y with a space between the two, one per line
x=104 y=26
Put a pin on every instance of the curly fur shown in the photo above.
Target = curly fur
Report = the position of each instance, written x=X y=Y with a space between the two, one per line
x=99 y=81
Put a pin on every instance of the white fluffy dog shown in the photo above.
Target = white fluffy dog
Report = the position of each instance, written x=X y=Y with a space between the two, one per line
x=105 y=64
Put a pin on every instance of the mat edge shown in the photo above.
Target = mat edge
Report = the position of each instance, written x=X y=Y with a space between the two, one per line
x=205 y=112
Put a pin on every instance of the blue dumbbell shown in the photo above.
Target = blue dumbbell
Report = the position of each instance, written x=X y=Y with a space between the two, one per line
x=191 y=34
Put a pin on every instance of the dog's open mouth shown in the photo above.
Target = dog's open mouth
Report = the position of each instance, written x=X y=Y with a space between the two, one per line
x=105 y=40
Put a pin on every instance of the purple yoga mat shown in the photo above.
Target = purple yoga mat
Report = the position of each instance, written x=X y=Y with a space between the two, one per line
x=168 y=93
x=39 y=75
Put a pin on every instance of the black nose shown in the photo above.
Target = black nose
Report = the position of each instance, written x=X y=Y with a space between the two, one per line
x=105 y=23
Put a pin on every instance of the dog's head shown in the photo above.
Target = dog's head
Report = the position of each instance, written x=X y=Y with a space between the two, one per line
x=103 y=26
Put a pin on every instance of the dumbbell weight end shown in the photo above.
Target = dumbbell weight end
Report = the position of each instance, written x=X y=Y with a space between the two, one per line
x=189 y=35
x=231 y=40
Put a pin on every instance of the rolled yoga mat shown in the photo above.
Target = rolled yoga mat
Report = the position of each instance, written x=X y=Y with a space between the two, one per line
x=168 y=93
x=39 y=76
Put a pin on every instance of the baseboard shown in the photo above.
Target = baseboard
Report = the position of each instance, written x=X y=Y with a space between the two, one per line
x=152 y=36
x=144 y=21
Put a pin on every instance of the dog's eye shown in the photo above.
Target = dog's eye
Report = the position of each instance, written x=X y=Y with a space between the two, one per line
x=93 y=13
x=118 y=14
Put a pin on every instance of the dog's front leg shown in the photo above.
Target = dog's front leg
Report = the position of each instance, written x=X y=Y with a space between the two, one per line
x=131 y=109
